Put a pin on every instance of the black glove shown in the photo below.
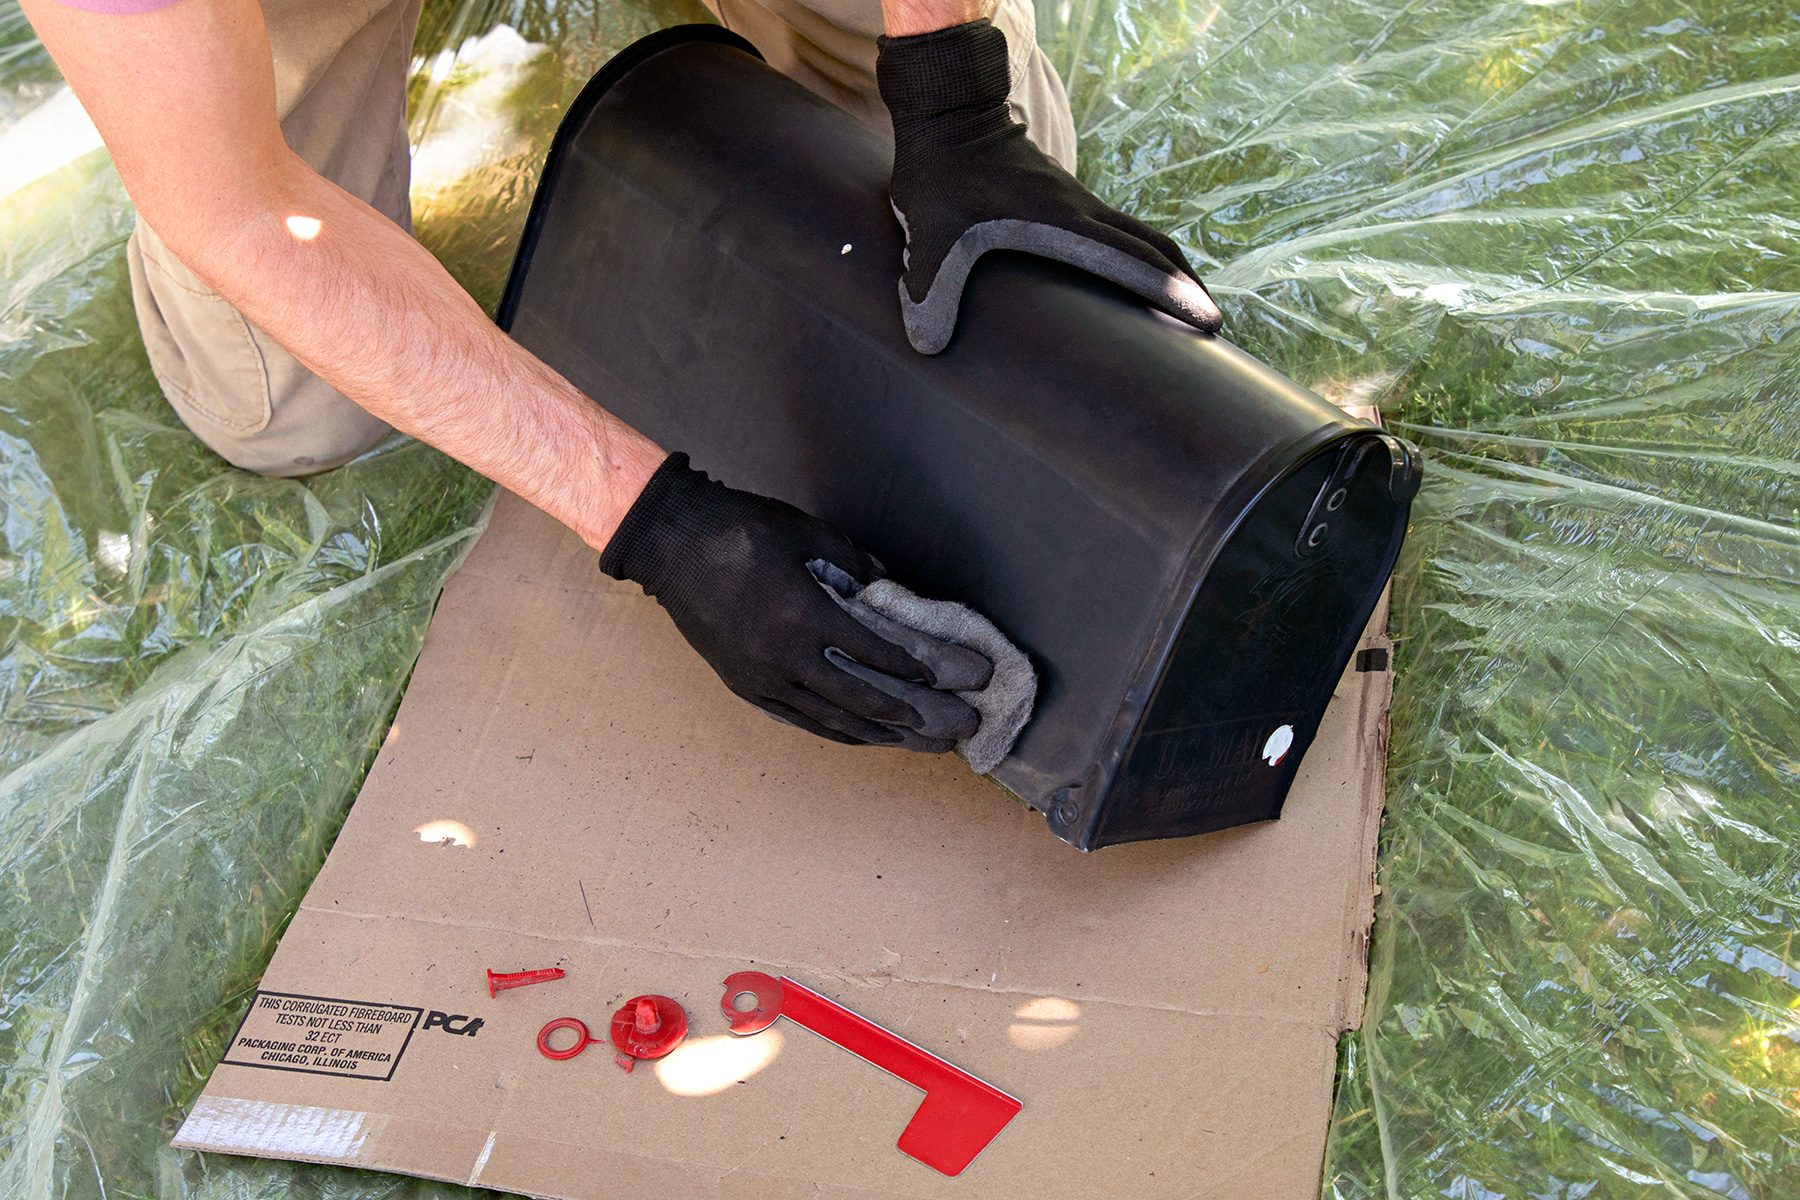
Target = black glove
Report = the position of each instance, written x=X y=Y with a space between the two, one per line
x=966 y=181
x=732 y=570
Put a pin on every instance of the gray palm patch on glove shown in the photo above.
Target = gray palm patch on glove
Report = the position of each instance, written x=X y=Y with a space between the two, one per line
x=731 y=569
x=973 y=664
x=931 y=320
x=967 y=181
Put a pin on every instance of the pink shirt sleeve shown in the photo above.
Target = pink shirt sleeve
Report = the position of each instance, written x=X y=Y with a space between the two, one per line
x=116 y=6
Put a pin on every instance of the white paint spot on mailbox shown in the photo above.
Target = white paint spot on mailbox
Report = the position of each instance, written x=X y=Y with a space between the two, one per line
x=1279 y=743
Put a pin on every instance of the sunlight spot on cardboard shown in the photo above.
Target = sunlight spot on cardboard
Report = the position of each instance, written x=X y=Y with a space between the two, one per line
x=1049 y=1008
x=445 y=833
x=304 y=229
x=707 y=1066
x=1044 y=1023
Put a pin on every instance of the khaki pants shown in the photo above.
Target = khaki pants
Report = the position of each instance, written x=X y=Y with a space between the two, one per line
x=340 y=79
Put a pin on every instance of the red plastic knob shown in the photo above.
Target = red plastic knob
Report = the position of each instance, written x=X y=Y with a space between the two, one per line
x=647 y=1027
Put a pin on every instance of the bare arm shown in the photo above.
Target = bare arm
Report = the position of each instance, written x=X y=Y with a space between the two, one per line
x=185 y=98
x=904 y=18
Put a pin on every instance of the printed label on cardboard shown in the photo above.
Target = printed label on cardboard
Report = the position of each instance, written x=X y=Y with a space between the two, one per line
x=317 y=1035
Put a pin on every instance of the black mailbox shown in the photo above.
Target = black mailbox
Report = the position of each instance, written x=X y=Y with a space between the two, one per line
x=1187 y=543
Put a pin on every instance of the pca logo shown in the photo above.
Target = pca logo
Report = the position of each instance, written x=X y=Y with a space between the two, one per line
x=456 y=1023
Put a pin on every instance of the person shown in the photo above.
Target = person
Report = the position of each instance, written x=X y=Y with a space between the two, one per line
x=293 y=323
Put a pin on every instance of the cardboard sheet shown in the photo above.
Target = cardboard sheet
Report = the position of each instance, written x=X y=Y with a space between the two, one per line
x=568 y=784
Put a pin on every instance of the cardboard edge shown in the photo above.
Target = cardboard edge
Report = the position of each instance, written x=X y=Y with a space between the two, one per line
x=1375 y=707
x=339 y=1137
x=1374 y=723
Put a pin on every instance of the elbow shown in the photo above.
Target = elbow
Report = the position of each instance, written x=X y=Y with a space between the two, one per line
x=231 y=228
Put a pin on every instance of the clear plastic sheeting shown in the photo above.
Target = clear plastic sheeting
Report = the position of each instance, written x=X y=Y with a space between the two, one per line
x=1558 y=244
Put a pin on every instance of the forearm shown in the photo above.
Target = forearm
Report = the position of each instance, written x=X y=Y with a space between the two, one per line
x=366 y=307
x=185 y=97
x=904 y=18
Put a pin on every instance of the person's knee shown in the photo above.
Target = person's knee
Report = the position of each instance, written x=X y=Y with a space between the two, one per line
x=306 y=437
x=1038 y=100
x=828 y=46
x=234 y=387
x=303 y=425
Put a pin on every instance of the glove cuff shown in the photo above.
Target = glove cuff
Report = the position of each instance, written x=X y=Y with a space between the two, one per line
x=928 y=74
x=652 y=545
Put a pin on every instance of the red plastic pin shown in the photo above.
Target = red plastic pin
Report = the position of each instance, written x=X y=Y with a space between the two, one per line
x=647 y=1027
x=500 y=981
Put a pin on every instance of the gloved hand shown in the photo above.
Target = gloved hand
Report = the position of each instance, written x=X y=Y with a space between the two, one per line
x=966 y=181
x=732 y=570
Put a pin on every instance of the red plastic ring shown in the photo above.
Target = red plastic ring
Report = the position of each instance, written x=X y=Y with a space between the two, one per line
x=583 y=1039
